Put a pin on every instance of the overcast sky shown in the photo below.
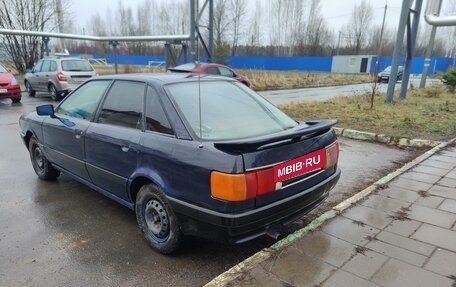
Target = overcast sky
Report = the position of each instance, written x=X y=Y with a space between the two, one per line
x=337 y=12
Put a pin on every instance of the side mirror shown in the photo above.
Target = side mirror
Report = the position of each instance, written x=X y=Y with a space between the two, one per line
x=48 y=110
x=45 y=110
x=9 y=70
x=29 y=71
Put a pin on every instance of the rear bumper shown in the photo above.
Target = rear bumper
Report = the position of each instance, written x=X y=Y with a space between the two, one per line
x=13 y=93
x=244 y=226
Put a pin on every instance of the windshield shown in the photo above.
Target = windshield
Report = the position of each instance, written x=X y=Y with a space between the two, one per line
x=228 y=110
x=3 y=69
x=76 y=66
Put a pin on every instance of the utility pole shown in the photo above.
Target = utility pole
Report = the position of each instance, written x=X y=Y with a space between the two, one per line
x=412 y=30
x=397 y=50
x=427 y=54
x=380 y=46
x=59 y=12
x=338 y=43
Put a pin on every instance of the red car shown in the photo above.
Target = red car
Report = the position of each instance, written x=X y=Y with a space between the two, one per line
x=9 y=87
x=210 y=68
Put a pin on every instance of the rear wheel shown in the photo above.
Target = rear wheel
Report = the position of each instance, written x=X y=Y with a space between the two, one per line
x=41 y=165
x=30 y=91
x=157 y=220
x=55 y=95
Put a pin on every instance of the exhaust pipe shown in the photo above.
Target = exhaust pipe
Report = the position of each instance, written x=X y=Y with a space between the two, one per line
x=273 y=233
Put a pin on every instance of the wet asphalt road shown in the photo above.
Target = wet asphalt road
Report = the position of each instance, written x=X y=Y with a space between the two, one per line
x=279 y=97
x=62 y=233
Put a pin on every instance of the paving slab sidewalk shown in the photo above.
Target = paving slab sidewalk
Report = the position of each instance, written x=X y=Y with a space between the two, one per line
x=402 y=233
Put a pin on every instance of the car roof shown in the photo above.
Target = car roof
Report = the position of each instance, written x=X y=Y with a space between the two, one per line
x=192 y=65
x=164 y=78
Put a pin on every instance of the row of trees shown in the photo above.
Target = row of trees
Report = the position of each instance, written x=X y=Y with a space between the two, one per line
x=273 y=27
x=241 y=27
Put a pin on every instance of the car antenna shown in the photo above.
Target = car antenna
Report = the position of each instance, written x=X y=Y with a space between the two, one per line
x=199 y=95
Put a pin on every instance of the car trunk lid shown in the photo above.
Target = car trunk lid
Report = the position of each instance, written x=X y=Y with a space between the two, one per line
x=295 y=159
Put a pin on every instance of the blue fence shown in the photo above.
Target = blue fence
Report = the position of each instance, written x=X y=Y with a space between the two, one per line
x=303 y=63
x=438 y=64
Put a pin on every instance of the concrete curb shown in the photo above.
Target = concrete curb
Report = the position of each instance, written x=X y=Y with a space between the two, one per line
x=385 y=139
x=242 y=268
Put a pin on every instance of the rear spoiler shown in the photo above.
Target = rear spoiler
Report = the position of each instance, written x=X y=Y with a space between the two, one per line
x=307 y=129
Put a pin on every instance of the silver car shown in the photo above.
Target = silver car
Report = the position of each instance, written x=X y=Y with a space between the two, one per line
x=58 y=76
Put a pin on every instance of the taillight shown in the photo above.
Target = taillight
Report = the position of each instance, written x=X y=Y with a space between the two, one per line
x=332 y=154
x=61 y=77
x=243 y=186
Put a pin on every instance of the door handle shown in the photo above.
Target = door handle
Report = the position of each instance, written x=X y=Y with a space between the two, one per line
x=125 y=147
x=78 y=134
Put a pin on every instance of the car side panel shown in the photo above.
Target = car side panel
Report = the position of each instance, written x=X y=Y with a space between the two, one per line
x=111 y=156
x=64 y=145
x=183 y=168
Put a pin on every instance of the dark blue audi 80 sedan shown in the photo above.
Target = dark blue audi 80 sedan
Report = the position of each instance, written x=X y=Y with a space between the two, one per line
x=192 y=155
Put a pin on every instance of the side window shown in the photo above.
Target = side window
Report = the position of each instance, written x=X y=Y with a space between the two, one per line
x=37 y=67
x=83 y=102
x=156 y=119
x=123 y=105
x=46 y=66
x=53 y=67
x=226 y=72
x=212 y=71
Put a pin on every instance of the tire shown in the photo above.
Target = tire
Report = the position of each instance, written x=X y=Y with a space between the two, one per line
x=41 y=165
x=55 y=95
x=157 y=221
x=16 y=100
x=29 y=89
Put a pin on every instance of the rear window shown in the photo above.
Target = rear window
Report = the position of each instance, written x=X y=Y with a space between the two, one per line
x=76 y=66
x=228 y=110
x=188 y=66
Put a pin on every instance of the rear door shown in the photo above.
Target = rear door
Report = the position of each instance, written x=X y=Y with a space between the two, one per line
x=112 y=142
x=34 y=75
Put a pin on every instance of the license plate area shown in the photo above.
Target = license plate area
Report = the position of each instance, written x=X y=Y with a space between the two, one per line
x=3 y=91
x=299 y=166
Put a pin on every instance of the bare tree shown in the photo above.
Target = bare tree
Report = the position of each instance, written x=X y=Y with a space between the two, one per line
x=221 y=26
x=359 y=25
x=286 y=25
x=316 y=31
x=238 y=10
x=25 y=15
x=254 y=33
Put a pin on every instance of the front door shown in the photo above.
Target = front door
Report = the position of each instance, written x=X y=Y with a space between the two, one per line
x=65 y=144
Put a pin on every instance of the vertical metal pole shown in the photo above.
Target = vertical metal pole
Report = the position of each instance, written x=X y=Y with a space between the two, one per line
x=411 y=39
x=46 y=45
x=193 y=30
x=427 y=54
x=184 y=51
x=211 y=31
x=397 y=50
x=379 y=53
x=114 y=47
x=338 y=44
x=167 y=54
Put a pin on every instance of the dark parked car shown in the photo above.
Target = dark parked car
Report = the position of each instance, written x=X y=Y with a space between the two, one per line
x=384 y=75
x=211 y=69
x=9 y=87
x=203 y=156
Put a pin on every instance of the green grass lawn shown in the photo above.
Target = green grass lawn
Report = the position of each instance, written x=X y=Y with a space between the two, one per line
x=428 y=113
